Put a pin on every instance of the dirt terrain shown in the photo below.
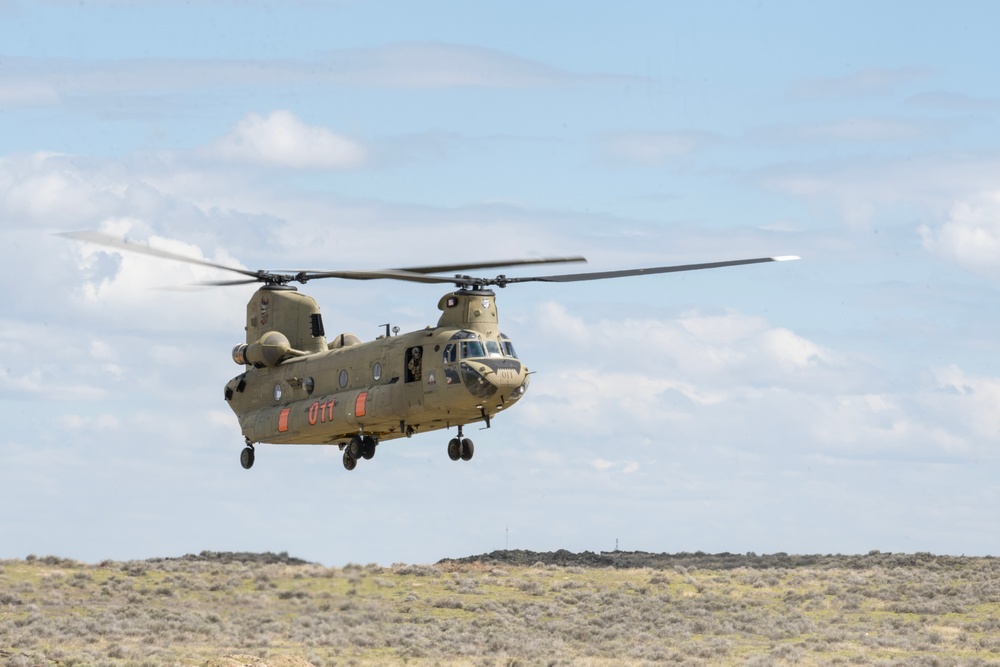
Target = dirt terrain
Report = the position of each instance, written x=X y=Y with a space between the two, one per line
x=503 y=609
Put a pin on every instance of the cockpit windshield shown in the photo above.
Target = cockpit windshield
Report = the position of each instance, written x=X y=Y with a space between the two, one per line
x=469 y=345
x=472 y=349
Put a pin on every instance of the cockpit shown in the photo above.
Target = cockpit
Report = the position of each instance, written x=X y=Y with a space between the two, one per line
x=470 y=345
x=485 y=366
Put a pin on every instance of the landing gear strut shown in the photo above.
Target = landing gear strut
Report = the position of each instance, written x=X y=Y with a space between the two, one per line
x=460 y=448
x=359 y=447
x=246 y=456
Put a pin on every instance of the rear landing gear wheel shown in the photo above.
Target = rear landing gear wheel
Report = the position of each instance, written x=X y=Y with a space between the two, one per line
x=246 y=457
x=350 y=461
x=455 y=449
x=468 y=449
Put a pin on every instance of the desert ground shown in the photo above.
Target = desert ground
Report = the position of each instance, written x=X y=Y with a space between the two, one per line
x=506 y=608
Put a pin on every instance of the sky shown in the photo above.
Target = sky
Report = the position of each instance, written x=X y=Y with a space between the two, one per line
x=843 y=403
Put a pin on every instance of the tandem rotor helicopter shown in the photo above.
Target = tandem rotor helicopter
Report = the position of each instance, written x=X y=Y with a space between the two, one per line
x=300 y=387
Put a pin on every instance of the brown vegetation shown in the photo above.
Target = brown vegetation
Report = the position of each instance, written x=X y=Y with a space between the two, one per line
x=505 y=609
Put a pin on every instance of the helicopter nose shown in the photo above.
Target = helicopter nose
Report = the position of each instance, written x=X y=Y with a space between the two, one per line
x=485 y=378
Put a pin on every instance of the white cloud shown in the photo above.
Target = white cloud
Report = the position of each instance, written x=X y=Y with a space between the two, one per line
x=53 y=189
x=711 y=380
x=46 y=81
x=45 y=380
x=281 y=139
x=144 y=292
x=970 y=236
x=790 y=351
x=651 y=149
x=953 y=101
x=696 y=378
x=624 y=467
x=859 y=129
x=27 y=93
x=884 y=426
x=695 y=345
x=78 y=423
x=862 y=189
x=963 y=400
x=442 y=65
x=869 y=82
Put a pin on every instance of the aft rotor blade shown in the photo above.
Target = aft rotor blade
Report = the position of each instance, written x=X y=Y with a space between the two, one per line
x=100 y=238
x=227 y=283
x=386 y=274
x=601 y=275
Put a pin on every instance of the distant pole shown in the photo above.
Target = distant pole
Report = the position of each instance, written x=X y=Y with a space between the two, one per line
x=616 y=544
x=506 y=538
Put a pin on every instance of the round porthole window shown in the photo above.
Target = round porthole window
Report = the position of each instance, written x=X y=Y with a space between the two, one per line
x=310 y=385
x=343 y=379
x=377 y=371
x=277 y=392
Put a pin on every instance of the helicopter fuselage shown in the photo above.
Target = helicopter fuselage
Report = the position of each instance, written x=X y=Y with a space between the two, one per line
x=460 y=372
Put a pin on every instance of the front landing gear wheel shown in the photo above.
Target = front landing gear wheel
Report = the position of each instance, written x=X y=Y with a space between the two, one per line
x=468 y=449
x=356 y=447
x=350 y=461
x=246 y=458
x=455 y=449
x=368 y=448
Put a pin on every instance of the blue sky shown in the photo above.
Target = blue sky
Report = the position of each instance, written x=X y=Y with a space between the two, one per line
x=843 y=403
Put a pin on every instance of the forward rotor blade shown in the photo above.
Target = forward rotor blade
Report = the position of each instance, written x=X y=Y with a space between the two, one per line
x=408 y=272
x=601 y=275
x=99 y=238
x=451 y=268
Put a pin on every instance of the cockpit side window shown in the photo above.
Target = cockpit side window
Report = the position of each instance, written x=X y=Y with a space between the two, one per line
x=450 y=353
x=508 y=347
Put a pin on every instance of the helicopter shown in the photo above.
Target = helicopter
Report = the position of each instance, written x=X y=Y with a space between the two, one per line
x=297 y=386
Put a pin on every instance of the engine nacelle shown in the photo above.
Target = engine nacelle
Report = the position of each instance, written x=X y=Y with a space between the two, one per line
x=272 y=348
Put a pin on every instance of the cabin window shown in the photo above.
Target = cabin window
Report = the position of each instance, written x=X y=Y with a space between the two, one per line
x=343 y=379
x=377 y=371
